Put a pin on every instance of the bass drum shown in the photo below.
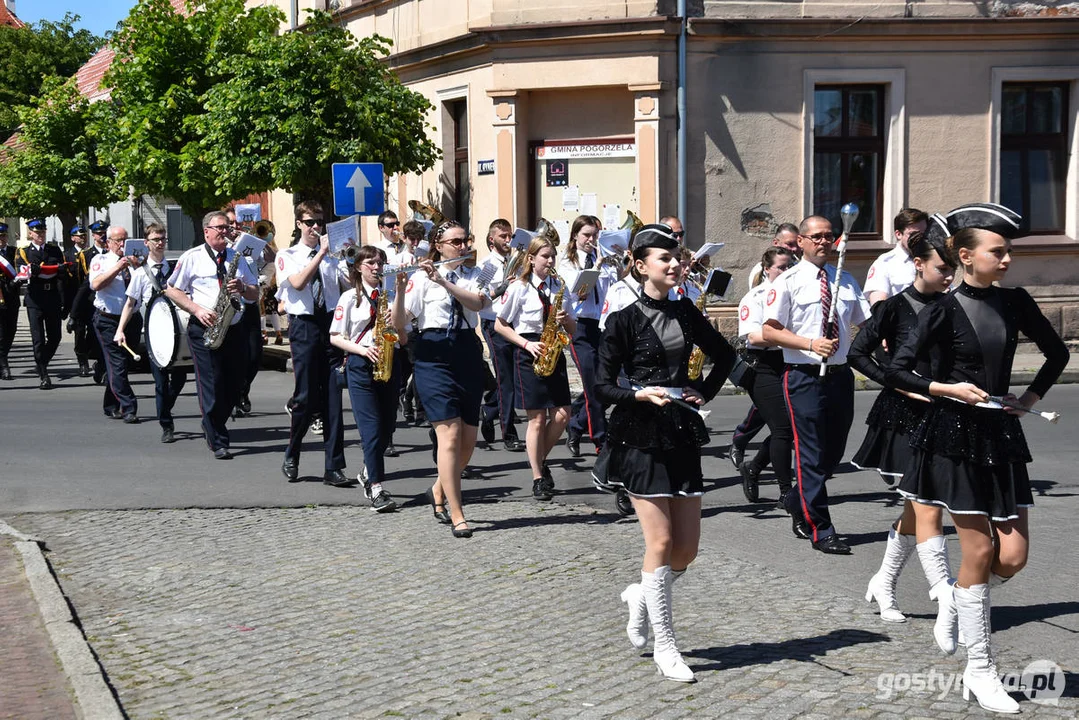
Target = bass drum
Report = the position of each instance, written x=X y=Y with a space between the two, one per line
x=166 y=334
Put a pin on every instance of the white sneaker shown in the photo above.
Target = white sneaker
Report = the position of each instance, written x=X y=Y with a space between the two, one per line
x=316 y=427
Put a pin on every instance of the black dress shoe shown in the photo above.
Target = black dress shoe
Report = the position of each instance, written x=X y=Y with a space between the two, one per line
x=800 y=527
x=222 y=454
x=539 y=492
x=5 y=371
x=390 y=451
x=441 y=515
x=573 y=444
x=514 y=444
x=832 y=545
x=99 y=372
x=245 y=405
x=470 y=474
x=336 y=478
x=46 y=382
x=464 y=532
x=84 y=369
x=291 y=469
x=750 y=481
x=736 y=455
x=114 y=414
x=131 y=419
x=487 y=430
x=166 y=435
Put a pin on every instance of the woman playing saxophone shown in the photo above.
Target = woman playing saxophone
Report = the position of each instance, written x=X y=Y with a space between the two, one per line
x=532 y=317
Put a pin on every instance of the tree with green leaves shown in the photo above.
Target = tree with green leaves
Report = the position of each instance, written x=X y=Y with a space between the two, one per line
x=31 y=54
x=216 y=104
x=53 y=168
x=296 y=103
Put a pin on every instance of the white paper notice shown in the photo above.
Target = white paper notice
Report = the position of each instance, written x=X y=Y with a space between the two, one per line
x=611 y=214
x=571 y=198
x=588 y=204
x=562 y=226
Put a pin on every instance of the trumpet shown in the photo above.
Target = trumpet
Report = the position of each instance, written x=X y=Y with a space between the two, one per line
x=264 y=230
x=409 y=269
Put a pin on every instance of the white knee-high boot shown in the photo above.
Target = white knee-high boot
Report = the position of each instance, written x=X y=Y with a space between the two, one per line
x=934 y=558
x=656 y=589
x=633 y=597
x=980 y=676
x=882 y=585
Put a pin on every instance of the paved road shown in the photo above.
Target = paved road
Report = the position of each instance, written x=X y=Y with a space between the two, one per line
x=216 y=589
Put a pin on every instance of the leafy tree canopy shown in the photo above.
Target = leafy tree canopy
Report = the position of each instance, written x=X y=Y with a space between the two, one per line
x=54 y=167
x=34 y=52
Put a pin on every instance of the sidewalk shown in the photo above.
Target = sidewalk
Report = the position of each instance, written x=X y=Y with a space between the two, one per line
x=34 y=686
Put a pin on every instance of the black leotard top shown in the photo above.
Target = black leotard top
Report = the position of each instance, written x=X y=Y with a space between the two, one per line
x=892 y=322
x=975 y=331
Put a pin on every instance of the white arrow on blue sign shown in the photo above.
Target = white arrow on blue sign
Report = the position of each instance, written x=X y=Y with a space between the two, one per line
x=357 y=189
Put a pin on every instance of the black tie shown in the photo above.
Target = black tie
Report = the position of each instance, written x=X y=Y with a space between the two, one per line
x=221 y=268
x=159 y=274
x=545 y=300
x=589 y=263
x=456 y=310
x=316 y=285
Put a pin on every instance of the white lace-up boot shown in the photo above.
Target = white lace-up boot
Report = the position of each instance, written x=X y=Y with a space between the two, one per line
x=882 y=585
x=980 y=676
x=656 y=588
x=934 y=558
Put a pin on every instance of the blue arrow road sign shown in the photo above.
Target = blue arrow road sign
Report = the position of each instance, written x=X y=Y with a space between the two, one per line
x=357 y=189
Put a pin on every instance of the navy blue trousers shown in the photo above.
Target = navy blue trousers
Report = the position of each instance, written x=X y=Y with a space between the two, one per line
x=218 y=378
x=499 y=402
x=118 y=392
x=374 y=405
x=586 y=413
x=315 y=364
x=168 y=384
x=821 y=410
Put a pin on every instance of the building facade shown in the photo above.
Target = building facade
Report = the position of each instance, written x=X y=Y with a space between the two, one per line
x=549 y=109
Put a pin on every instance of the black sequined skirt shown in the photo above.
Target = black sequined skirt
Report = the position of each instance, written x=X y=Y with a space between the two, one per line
x=650 y=427
x=656 y=472
x=969 y=460
x=886 y=447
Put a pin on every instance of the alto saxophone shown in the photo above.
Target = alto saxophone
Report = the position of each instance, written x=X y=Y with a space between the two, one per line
x=225 y=307
x=386 y=337
x=696 y=355
x=554 y=337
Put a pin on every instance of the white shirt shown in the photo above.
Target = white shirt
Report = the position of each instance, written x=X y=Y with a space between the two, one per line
x=196 y=275
x=302 y=302
x=110 y=298
x=432 y=305
x=591 y=307
x=891 y=273
x=140 y=289
x=499 y=263
x=751 y=313
x=355 y=323
x=402 y=255
x=686 y=289
x=794 y=300
x=523 y=308
x=620 y=295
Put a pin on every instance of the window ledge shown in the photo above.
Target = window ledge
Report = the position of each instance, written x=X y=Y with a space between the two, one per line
x=1045 y=241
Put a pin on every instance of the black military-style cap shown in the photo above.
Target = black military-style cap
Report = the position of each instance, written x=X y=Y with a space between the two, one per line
x=655 y=235
x=985 y=216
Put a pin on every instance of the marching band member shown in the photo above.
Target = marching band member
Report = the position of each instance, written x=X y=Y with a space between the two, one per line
x=45 y=264
x=414 y=232
x=374 y=403
x=766 y=385
x=251 y=321
x=894 y=416
x=500 y=401
x=109 y=276
x=81 y=309
x=522 y=318
x=796 y=309
x=656 y=442
x=398 y=250
x=194 y=286
x=587 y=415
x=971 y=460
x=445 y=300
x=9 y=301
x=77 y=275
x=146 y=283
x=894 y=270
x=622 y=292
x=311 y=283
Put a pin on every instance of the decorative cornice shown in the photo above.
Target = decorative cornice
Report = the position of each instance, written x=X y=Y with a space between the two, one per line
x=891 y=28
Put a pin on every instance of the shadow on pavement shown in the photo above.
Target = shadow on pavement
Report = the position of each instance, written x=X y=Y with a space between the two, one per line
x=1009 y=616
x=806 y=649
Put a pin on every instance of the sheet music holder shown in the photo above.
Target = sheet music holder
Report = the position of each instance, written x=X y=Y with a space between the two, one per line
x=707 y=250
x=249 y=245
x=136 y=248
x=521 y=239
x=342 y=233
x=586 y=280
x=613 y=242
x=717 y=283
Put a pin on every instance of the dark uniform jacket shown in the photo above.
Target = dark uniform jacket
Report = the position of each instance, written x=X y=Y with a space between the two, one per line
x=7 y=287
x=43 y=293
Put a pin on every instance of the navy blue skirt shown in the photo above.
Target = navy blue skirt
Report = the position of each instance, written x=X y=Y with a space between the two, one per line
x=539 y=393
x=449 y=374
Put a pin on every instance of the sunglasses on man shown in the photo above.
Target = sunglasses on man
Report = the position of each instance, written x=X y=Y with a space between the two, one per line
x=311 y=222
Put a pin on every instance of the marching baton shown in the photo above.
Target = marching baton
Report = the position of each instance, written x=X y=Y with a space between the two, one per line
x=134 y=355
x=848 y=213
x=997 y=402
x=677 y=401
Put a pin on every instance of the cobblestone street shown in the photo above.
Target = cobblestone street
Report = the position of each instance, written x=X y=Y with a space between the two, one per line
x=338 y=612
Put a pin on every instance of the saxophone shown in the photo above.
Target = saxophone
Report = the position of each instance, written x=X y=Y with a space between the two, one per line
x=696 y=356
x=386 y=337
x=554 y=337
x=225 y=307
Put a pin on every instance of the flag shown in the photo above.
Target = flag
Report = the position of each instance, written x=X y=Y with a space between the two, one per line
x=6 y=268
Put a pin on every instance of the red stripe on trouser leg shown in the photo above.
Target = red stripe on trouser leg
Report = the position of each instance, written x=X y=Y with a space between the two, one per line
x=797 y=454
x=584 y=391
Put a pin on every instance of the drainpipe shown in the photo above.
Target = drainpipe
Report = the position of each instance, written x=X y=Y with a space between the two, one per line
x=682 y=111
x=294 y=12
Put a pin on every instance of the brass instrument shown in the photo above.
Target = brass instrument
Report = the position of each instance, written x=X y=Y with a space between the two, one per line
x=225 y=307
x=554 y=337
x=632 y=223
x=386 y=338
x=546 y=231
x=264 y=230
x=426 y=212
x=696 y=355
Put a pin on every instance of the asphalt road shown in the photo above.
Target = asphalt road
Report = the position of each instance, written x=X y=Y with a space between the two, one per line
x=59 y=453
